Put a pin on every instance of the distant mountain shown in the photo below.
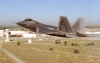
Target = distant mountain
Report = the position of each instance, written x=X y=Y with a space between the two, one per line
x=93 y=26
x=9 y=26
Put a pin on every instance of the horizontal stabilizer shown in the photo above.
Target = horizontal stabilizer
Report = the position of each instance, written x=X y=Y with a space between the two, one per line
x=71 y=36
x=80 y=34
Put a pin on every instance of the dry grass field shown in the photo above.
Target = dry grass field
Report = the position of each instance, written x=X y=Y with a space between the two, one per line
x=4 y=58
x=47 y=51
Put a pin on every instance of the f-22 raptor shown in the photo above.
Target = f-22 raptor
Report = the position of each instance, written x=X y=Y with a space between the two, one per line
x=64 y=28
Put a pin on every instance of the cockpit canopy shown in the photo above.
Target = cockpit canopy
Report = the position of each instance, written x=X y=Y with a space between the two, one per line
x=28 y=19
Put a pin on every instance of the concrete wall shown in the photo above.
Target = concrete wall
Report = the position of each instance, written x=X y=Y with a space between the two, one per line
x=29 y=35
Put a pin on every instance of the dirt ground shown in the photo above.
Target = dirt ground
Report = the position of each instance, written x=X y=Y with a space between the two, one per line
x=4 y=58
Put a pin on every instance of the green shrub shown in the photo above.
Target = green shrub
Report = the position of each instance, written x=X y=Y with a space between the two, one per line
x=86 y=45
x=76 y=51
x=57 y=42
x=76 y=44
x=18 y=43
x=51 y=49
x=65 y=43
x=92 y=43
x=72 y=44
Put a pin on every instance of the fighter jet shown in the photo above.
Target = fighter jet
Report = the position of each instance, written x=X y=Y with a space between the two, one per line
x=64 y=28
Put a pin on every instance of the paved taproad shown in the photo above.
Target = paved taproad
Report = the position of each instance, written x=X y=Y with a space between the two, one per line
x=17 y=60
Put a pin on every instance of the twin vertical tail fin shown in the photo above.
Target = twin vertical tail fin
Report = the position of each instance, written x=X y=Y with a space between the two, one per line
x=79 y=25
x=64 y=25
x=77 y=29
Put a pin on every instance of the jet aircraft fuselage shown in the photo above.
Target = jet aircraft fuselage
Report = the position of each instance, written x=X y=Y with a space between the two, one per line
x=37 y=26
x=64 y=28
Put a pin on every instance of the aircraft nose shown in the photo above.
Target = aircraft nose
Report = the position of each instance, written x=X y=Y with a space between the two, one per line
x=25 y=23
x=20 y=23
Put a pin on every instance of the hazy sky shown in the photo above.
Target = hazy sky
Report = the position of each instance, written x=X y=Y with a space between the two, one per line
x=48 y=11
